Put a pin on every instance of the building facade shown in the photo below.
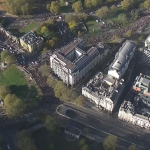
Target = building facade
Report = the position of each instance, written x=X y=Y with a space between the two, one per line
x=31 y=43
x=105 y=90
x=71 y=63
x=136 y=107
x=146 y=52
x=122 y=59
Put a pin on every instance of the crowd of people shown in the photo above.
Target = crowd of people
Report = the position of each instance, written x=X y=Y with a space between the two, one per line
x=135 y=27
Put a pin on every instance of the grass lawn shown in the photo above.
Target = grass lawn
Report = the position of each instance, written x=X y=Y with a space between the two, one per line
x=21 y=32
x=31 y=26
x=92 y=24
x=43 y=140
x=15 y=79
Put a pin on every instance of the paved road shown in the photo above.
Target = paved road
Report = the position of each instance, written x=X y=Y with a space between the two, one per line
x=93 y=134
x=110 y=125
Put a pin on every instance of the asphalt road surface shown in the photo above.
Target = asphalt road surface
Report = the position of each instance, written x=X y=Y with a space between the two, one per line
x=106 y=124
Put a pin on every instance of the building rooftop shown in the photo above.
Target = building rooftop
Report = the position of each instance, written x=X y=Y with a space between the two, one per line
x=142 y=84
x=137 y=104
x=123 y=55
x=30 y=38
x=104 y=86
x=73 y=55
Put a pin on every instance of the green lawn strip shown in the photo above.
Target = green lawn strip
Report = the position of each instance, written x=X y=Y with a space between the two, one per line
x=15 y=79
x=31 y=26
x=92 y=24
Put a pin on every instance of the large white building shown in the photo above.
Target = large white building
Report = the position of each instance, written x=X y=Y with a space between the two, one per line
x=136 y=107
x=104 y=91
x=122 y=59
x=146 y=52
x=72 y=62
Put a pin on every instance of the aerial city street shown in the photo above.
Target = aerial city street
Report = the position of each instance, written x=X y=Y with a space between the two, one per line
x=75 y=72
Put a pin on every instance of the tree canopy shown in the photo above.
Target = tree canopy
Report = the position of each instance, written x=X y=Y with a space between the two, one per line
x=110 y=143
x=4 y=90
x=20 y=7
x=25 y=142
x=7 y=57
x=80 y=100
x=92 y=3
x=44 y=70
x=51 y=124
x=129 y=33
x=126 y=4
x=132 y=147
x=77 y=6
x=55 y=7
x=13 y=105
x=123 y=18
x=102 y=11
x=146 y=4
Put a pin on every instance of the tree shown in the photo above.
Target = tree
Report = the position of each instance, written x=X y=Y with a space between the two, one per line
x=70 y=18
x=92 y=3
x=44 y=70
x=10 y=59
x=80 y=100
x=129 y=33
x=4 y=90
x=48 y=7
x=115 y=38
x=13 y=105
x=72 y=25
x=132 y=147
x=135 y=13
x=44 y=50
x=113 y=8
x=82 y=17
x=88 y=4
x=77 y=6
x=103 y=11
x=126 y=4
x=141 y=38
x=51 y=82
x=85 y=147
x=146 y=4
x=123 y=18
x=53 y=41
x=62 y=1
x=110 y=143
x=51 y=124
x=25 y=142
x=55 y=7
x=4 y=54
x=82 y=142
x=19 y=7
x=49 y=22
x=60 y=90
x=45 y=32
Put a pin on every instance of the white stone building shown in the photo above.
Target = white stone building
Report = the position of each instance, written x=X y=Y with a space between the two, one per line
x=135 y=111
x=71 y=63
x=122 y=59
x=146 y=52
x=103 y=91
x=136 y=107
